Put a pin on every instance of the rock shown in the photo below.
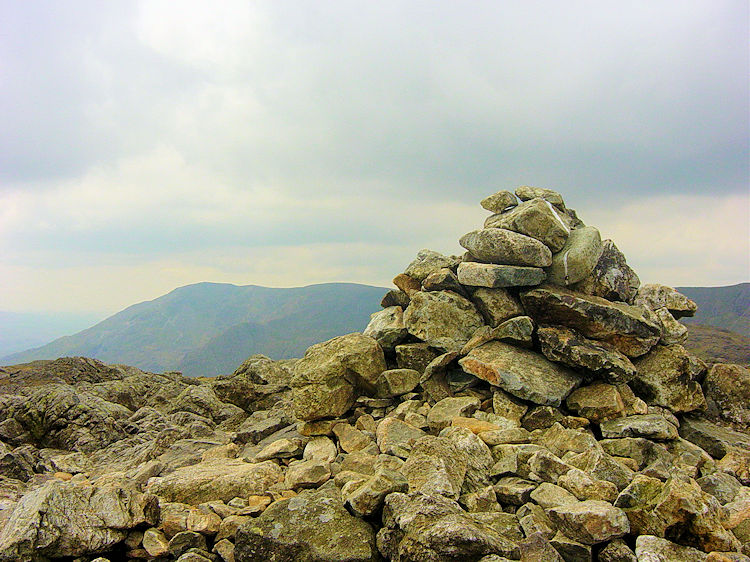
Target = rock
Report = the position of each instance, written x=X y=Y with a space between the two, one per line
x=496 y=305
x=215 y=480
x=728 y=386
x=602 y=466
x=442 y=319
x=366 y=498
x=387 y=327
x=328 y=378
x=672 y=332
x=526 y=192
x=203 y=401
x=395 y=298
x=225 y=549
x=155 y=543
x=549 y=495
x=655 y=296
x=611 y=278
x=441 y=414
x=715 y=439
x=617 y=551
x=590 y=521
x=312 y=526
x=435 y=466
x=663 y=378
x=650 y=426
x=396 y=437
x=280 y=449
x=584 y=487
x=428 y=262
x=419 y=526
x=564 y=345
x=541 y=417
x=396 y=382
x=649 y=548
x=505 y=247
x=577 y=258
x=444 y=280
x=597 y=402
x=434 y=380
x=56 y=520
x=724 y=487
x=517 y=331
x=491 y=275
x=631 y=330
x=307 y=474
x=260 y=369
x=184 y=541
x=536 y=218
x=415 y=356
x=407 y=284
x=570 y=549
x=537 y=548
x=478 y=458
x=513 y=490
x=520 y=372
x=498 y=202
x=203 y=522
x=506 y=406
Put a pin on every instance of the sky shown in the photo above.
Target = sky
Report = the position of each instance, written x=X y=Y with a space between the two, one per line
x=149 y=145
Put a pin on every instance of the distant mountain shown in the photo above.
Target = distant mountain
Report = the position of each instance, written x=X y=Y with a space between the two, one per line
x=210 y=328
x=716 y=345
x=724 y=307
x=24 y=330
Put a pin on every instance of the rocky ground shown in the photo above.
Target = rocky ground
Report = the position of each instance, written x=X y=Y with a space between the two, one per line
x=529 y=400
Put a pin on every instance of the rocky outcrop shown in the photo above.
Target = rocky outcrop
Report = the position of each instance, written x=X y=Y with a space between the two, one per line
x=482 y=416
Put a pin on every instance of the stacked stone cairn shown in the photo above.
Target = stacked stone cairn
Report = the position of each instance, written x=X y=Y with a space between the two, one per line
x=529 y=400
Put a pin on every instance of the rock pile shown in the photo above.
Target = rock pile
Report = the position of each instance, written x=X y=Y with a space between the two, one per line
x=529 y=400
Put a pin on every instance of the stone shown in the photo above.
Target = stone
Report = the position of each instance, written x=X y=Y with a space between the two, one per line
x=536 y=218
x=225 y=549
x=387 y=327
x=505 y=247
x=366 y=498
x=541 y=417
x=491 y=275
x=415 y=356
x=202 y=400
x=663 y=378
x=474 y=425
x=407 y=284
x=477 y=455
x=728 y=386
x=395 y=297
x=513 y=490
x=584 y=487
x=631 y=330
x=442 y=319
x=724 y=487
x=597 y=402
x=185 y=541
x=649 y=548
x=203 y=522
x=307 y=474
x=421 y=526
x=602 y=466
x=396 y=382
x=506 y=406
x=549 y=495
x=570 y=549
x=280 y=449
x=672 y=332
x=617 y=551
x=312 y=526
x=566 y=346
x=436 y=466
x=718 y=441
x=577 y=258
x=434 y=380
x=590 y=521
x=650 y=426
x=537 y=548
x=328 y=378
x=526 y=192
x=517 y=331
x=655 y=296
x=496 y=305
x=444 y=280
x=55 y=520
x=611 y=278
x=215 y=480
x=350 y=438
x=498 y=202
x=443 y=412
x=396 y=437
x=428 y=262
x=520 y=372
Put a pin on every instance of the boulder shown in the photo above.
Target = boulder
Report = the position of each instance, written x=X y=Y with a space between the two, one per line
x=672 y=332
x=611 y=278
x=444 y=280
x=496 y=305
x=505 y=247
x=396 y=382
x=527 y=192
x=421 y=526
x=428 y=262
x=441 y=414
x=649 y=548
x=650 y=426
x=590 y=521
x=491 y=275
x=566 y=346
x=415 y=356
x=366 y=498
x=536 y=218
x=328 y=379
x=313 y=527
x=66 y=519
x=521 y=372
x=728 y=387
x=436 y=466
x=203 y=401
x=577 y=258
x=597 y=402
x=631 y=330
x=442 y=319
x=664 y=378
x=396 y=437
x=655 y=296
x=498 y=202
x=387 y=327
x=215 y=480
x=715 y=439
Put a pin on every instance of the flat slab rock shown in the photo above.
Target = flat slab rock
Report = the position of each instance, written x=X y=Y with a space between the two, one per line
x=442 y=319
x=490 y=275
x=501 y=246
x=632 y=330
x=521 y=372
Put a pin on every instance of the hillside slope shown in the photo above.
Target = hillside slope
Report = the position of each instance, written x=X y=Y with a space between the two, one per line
x=198 y=328
x=724 y=307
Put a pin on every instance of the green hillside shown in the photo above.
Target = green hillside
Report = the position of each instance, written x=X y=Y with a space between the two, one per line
x=724 y=307
x=209 y=328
